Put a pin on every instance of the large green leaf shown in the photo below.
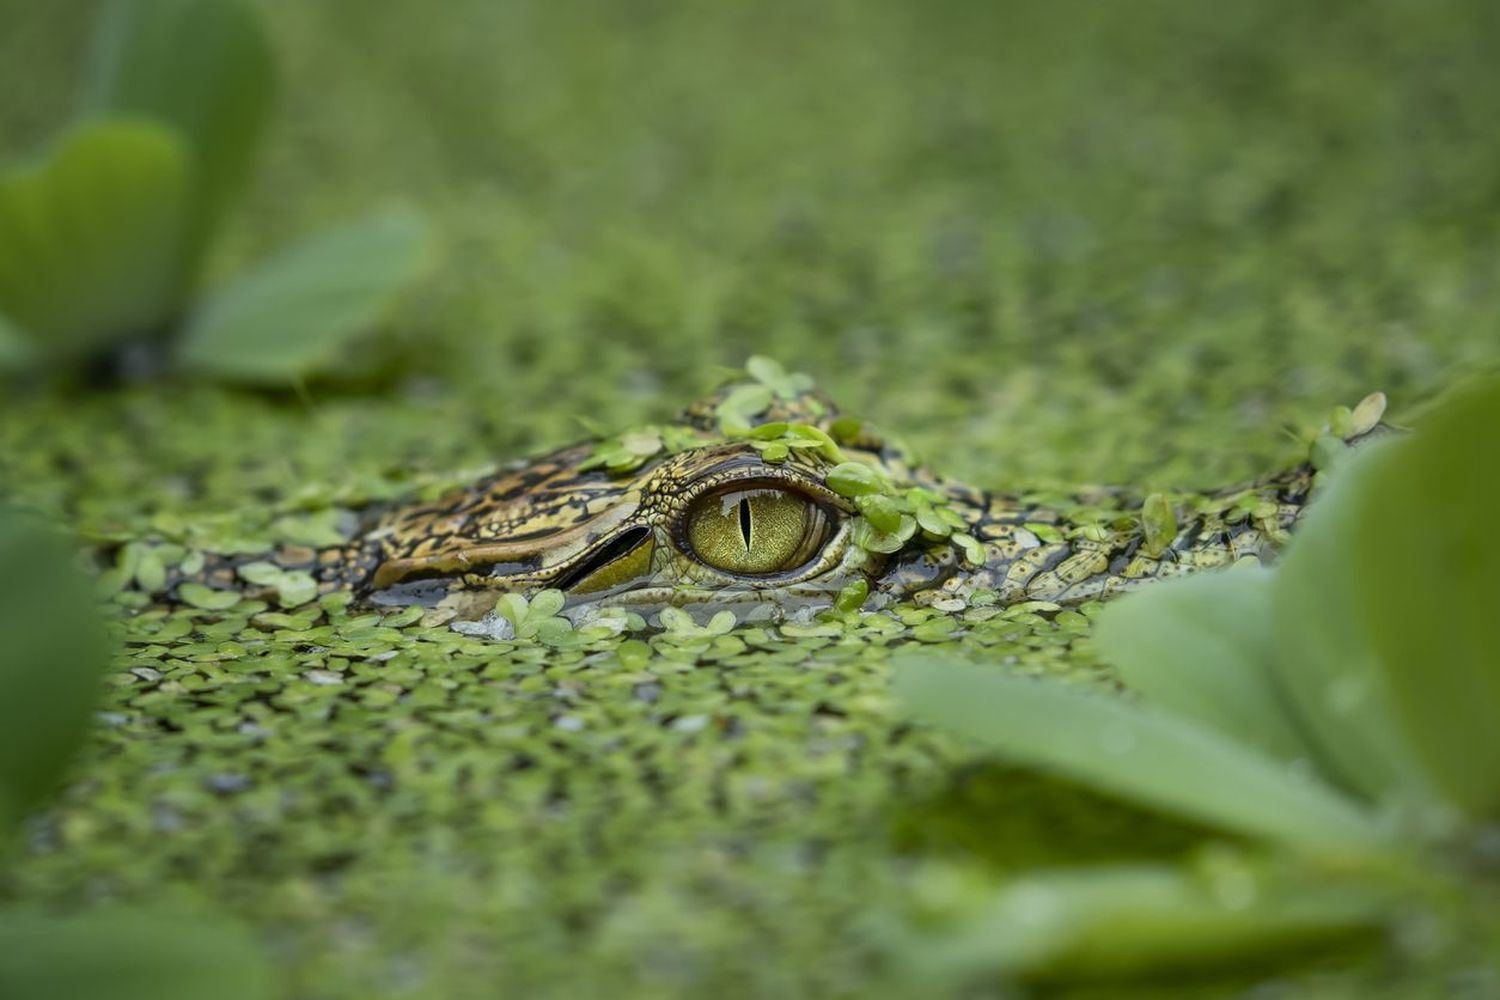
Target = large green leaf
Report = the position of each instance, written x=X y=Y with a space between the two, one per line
x=54 y=653
x=127 y=955
x=1133 y=921
x=293 y=313
x=1424 y=565
x=1327 y=660
x=202 y=66
x=1201 y=647
x=89 y=237
x=1166 y=761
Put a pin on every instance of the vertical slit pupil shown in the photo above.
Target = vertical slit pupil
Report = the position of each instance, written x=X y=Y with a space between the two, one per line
x=745 y=520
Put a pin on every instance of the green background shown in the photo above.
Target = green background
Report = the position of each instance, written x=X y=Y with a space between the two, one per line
x=1048 y=243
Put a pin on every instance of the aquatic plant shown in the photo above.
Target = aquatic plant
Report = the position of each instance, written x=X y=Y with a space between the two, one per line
x=1337 y=711
x=104 y=240
x=55 y=654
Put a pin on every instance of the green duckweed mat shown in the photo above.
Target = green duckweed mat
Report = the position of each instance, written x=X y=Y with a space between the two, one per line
x=1048 y=244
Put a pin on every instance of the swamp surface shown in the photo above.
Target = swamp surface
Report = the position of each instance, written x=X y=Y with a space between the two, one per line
x=1048 y=246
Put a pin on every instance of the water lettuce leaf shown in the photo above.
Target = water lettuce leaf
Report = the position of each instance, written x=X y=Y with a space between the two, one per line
x=90 y=236
x=54 y=655
x=1150 y=756
x=118 y=954
x=1423 y=568
x=202 y=67
x=1133 y=921
x=1202 y=647
x=291 y=314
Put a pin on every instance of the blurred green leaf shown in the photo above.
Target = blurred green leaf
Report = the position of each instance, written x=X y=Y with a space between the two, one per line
x=1326 y=661
x=1135 y=921
x=769 y=373
x=1133 y=751
x=54 y=654
x=1424 y=565
x=201 y=66
x=739 y=408
x=1201 y=647
x=15 y=348
x=89 y=236
x=127 y=955
x=292 y=313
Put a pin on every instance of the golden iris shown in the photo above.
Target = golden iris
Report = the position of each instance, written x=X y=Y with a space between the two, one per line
x=756 y=531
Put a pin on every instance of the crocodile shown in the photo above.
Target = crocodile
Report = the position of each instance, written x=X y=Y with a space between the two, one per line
x=764 y=498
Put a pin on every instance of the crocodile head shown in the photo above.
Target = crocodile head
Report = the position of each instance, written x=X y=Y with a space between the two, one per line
x=762 y=498
x=737 y=502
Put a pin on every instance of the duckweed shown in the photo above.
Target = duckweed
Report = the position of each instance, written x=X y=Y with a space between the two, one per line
x=1051 y=247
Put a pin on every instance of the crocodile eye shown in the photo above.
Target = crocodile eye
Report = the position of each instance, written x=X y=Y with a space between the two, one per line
x=757 y=531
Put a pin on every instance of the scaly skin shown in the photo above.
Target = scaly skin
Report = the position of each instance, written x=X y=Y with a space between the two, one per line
x=553 y=521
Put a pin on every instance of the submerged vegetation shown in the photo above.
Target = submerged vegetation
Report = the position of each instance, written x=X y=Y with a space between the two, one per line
x=1048 y=247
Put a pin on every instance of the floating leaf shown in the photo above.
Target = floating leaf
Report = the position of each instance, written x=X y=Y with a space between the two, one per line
x=512 y=607
x=1201 y=647
x=931 y=520
x=207 y=598
x=767 y=371
x=546 y=603
x=118 y=954
x=883 y=513
x=870 y=538
x=204 y=68
x=770 y=373
x=1423 y=566
x=1047 y=533
x=261 y=574
x=553 y=631
x=293 y=313
x=54 y=654
x=1162 y=760
x=854 y=479
x=1132 y=921
x=538 y=618
x=775 y=452
x=971 y=548
x=642 y=443
x=1326 y=662
x=1158 y=525
x=90 y=237
x=682 y=625
x=769 y=431
x=845 y=429
x=739 y=408
x=295 y=588
x=852 y=596
x=151 y=570
x=1365 y=417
